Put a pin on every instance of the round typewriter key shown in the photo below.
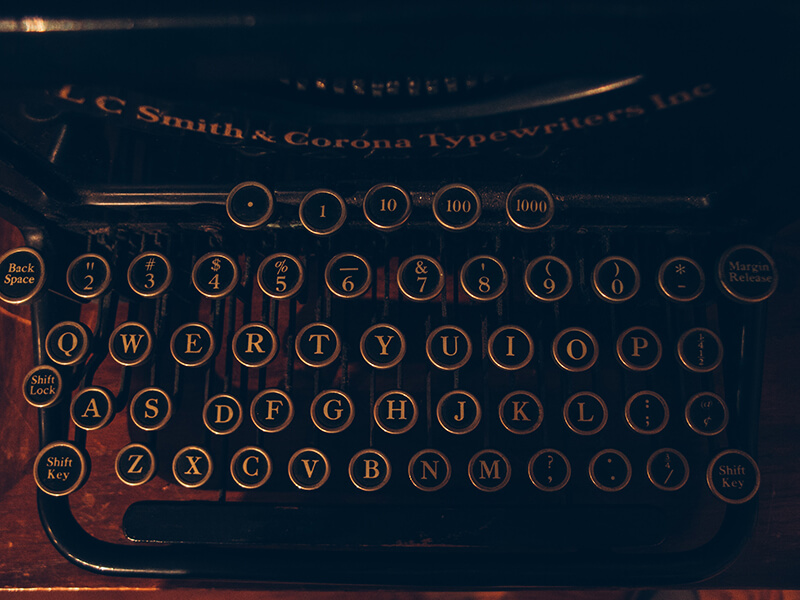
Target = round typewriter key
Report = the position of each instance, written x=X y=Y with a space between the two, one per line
x=332 y=411
x=387 y=206
x=510 y=347
x=271 y=410
x=747 y=274
x=395 y=412
x=646 y=412
x=420 y=278
x=249 y=204
x=309 y=469
x=130 y=344
x=681 y=279
x=456 y=207
x=135 y=464
x=383 y=346
x=549 y=470
x=92 y=408
x=448 y=347
x=348 y=275
x=42 y=386
x=483 y=278
x=638 y=349
x=706 y=413
x=458 y=412
x=251 y=467
x=192 y=466
x=322 y=212
x=192 y=344
x=548 y=278
x=215 y=275
x=429 y=470
x=151 y=409
x=733 y=476
x=317 y=345
x=700 y=350
x=575 y=349
x=254 y=345
x=22 y=275
x=615 y=279
x=667 y=469
x=369 y=470
x=529 y=206
x=222 y=414
x=610 y=470
x=280 y=276
x=489 y=470
x=88 y=276
x=585 y=413
x=521 y=412
x=60 y=468
x=67 y=343
x=149 y=274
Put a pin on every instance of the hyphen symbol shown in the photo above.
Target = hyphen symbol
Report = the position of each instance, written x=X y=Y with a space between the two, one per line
x=150 y=264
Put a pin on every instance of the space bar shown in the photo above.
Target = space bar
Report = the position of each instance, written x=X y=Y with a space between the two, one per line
x=392 y=525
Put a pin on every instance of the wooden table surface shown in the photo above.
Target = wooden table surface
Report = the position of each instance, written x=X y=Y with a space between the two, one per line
x=771 y=558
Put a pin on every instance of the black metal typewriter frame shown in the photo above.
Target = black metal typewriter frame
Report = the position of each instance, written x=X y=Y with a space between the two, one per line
x=418 y=566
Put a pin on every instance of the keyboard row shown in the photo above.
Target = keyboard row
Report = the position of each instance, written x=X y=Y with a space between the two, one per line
x=383 y=346
x=745 y=273
x=61 y=468
x=395 y=412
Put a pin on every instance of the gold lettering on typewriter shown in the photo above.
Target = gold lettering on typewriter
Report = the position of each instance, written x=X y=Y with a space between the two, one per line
x=131 y=341
x=460 y=416
x=245 y=468
x=639 y=343
x=510 y=349
x=74 y=343
x=384 y=344
x=489 y=472
x=193 y=460
x=151 y=404
x=219 y=418
x=337 y=412
x=309 y=467
x=519 y=410
x=319 y=337
x=254 y=341
x=91 y=408
x=427 y=468
x=273 y=407
x=581 y=416
x=583 y=349
x=135 y=459
x=444 y=345
x=371 y=469
x=392 y=409
x=191 y=343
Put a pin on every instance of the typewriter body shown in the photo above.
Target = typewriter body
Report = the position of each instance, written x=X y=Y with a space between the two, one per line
x=488 y=327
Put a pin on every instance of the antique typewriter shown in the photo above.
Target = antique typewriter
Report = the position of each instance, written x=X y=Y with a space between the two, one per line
x=501 y=329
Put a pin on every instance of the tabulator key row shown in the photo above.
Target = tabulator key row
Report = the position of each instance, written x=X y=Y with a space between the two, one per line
x=732 y=475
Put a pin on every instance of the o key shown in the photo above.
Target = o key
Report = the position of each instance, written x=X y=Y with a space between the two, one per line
x=575 y=349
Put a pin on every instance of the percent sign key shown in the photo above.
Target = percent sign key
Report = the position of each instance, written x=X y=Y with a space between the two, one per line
x=280 y=276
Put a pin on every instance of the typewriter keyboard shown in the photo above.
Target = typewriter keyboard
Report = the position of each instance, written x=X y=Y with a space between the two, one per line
x=399 y=377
